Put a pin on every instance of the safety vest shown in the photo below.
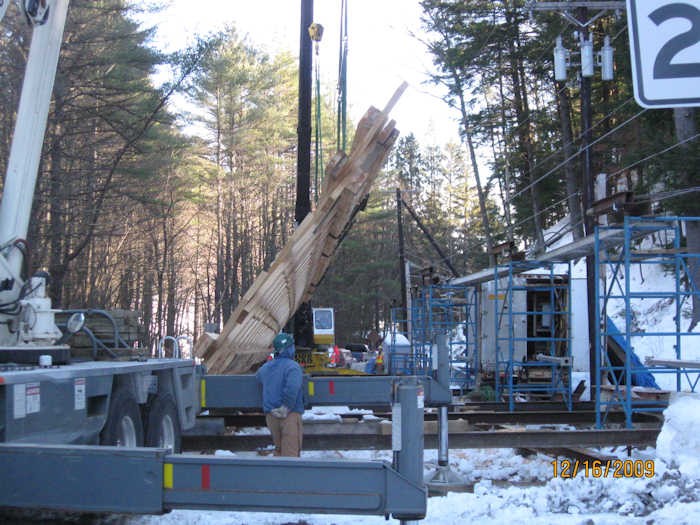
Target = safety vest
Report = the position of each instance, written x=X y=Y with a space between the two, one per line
x=335 y=357
x=380 y=358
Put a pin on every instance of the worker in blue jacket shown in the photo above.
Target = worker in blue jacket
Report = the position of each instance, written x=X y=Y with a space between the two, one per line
x=283 y=401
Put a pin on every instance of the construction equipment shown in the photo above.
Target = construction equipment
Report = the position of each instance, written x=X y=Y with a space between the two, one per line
x=299 y=268
x=54 y=412
x=324 y=327
x=53 y=397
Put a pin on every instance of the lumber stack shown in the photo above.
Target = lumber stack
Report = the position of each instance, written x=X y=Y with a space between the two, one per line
x=276 y=294
x=129 y=324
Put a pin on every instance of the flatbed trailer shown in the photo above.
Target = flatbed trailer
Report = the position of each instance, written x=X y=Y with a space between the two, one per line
x=39 y=474
x=72 y=404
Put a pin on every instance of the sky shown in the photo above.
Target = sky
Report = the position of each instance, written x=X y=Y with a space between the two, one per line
x=382 y=51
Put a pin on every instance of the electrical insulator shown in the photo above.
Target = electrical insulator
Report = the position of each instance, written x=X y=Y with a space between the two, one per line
x=587 y=57
x=560 y=54
x=607 y=61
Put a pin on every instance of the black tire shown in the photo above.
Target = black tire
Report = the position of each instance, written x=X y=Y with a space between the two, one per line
x=123 y=427
x=162 y=424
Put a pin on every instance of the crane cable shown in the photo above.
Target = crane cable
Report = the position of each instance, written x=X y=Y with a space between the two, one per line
x=342 y=78
x=316 y=33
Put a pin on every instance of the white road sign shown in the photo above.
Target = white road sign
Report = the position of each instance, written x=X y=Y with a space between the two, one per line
x=665 y=47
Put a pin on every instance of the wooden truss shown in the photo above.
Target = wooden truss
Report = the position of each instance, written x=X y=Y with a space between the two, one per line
x=276 y=294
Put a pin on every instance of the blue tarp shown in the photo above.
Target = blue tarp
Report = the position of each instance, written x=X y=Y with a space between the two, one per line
x=641 y=377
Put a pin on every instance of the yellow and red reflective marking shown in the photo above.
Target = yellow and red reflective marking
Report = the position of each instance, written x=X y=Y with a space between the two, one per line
x=206 y=477
x=167 y=475
x=331 y=387
x=203 y=390
x=311 y=388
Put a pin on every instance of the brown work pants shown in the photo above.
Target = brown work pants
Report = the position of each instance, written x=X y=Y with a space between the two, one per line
x=286 y=433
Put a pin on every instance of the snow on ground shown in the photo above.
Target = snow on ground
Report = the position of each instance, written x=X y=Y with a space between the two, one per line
x=510 y=488
x=677 y=444
x=332 y=413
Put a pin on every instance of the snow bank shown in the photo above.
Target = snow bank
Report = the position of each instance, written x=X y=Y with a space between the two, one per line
x=678 y=444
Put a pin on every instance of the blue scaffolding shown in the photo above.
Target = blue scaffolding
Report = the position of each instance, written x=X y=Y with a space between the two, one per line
x=614 y=262
x=441 y=309
x=532 y=337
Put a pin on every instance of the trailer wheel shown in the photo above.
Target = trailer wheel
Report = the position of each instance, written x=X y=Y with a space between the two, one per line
x=163 y=425
x=123 y=427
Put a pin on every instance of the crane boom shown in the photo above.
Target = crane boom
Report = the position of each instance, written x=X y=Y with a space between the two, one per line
x=4 y=4
x=25 y=155
x=28 y=137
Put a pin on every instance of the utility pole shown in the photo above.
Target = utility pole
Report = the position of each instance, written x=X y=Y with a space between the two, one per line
x=303 y=318
x=588 y=221
x=303 y=199
x=431 y=239
x=561 y=61
x=402 y=255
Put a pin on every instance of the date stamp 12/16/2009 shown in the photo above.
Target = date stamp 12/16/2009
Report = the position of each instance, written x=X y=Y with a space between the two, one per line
x=617 y=468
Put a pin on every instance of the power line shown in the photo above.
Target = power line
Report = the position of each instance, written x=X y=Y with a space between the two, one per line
x=580 y=135
x=624 y=28
x=662 y=196
x=547 y=208
x=653 y=155
x=581 y=150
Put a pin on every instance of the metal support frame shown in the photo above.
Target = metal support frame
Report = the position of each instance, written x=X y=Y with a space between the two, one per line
x=151 y=481
x=616 y=264
x=551 y=341
x=443 y=309
x=60 y=477
x=565 y=8
x=443 y=478
x=244 y=392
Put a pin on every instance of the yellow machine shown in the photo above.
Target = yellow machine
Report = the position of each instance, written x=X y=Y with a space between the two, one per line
x=319 y=361
x=324 y=327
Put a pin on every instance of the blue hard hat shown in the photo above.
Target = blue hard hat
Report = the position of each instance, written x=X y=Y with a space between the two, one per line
x=282 y=341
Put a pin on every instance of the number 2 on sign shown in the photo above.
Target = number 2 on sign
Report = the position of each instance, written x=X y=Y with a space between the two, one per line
x=662 y=66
